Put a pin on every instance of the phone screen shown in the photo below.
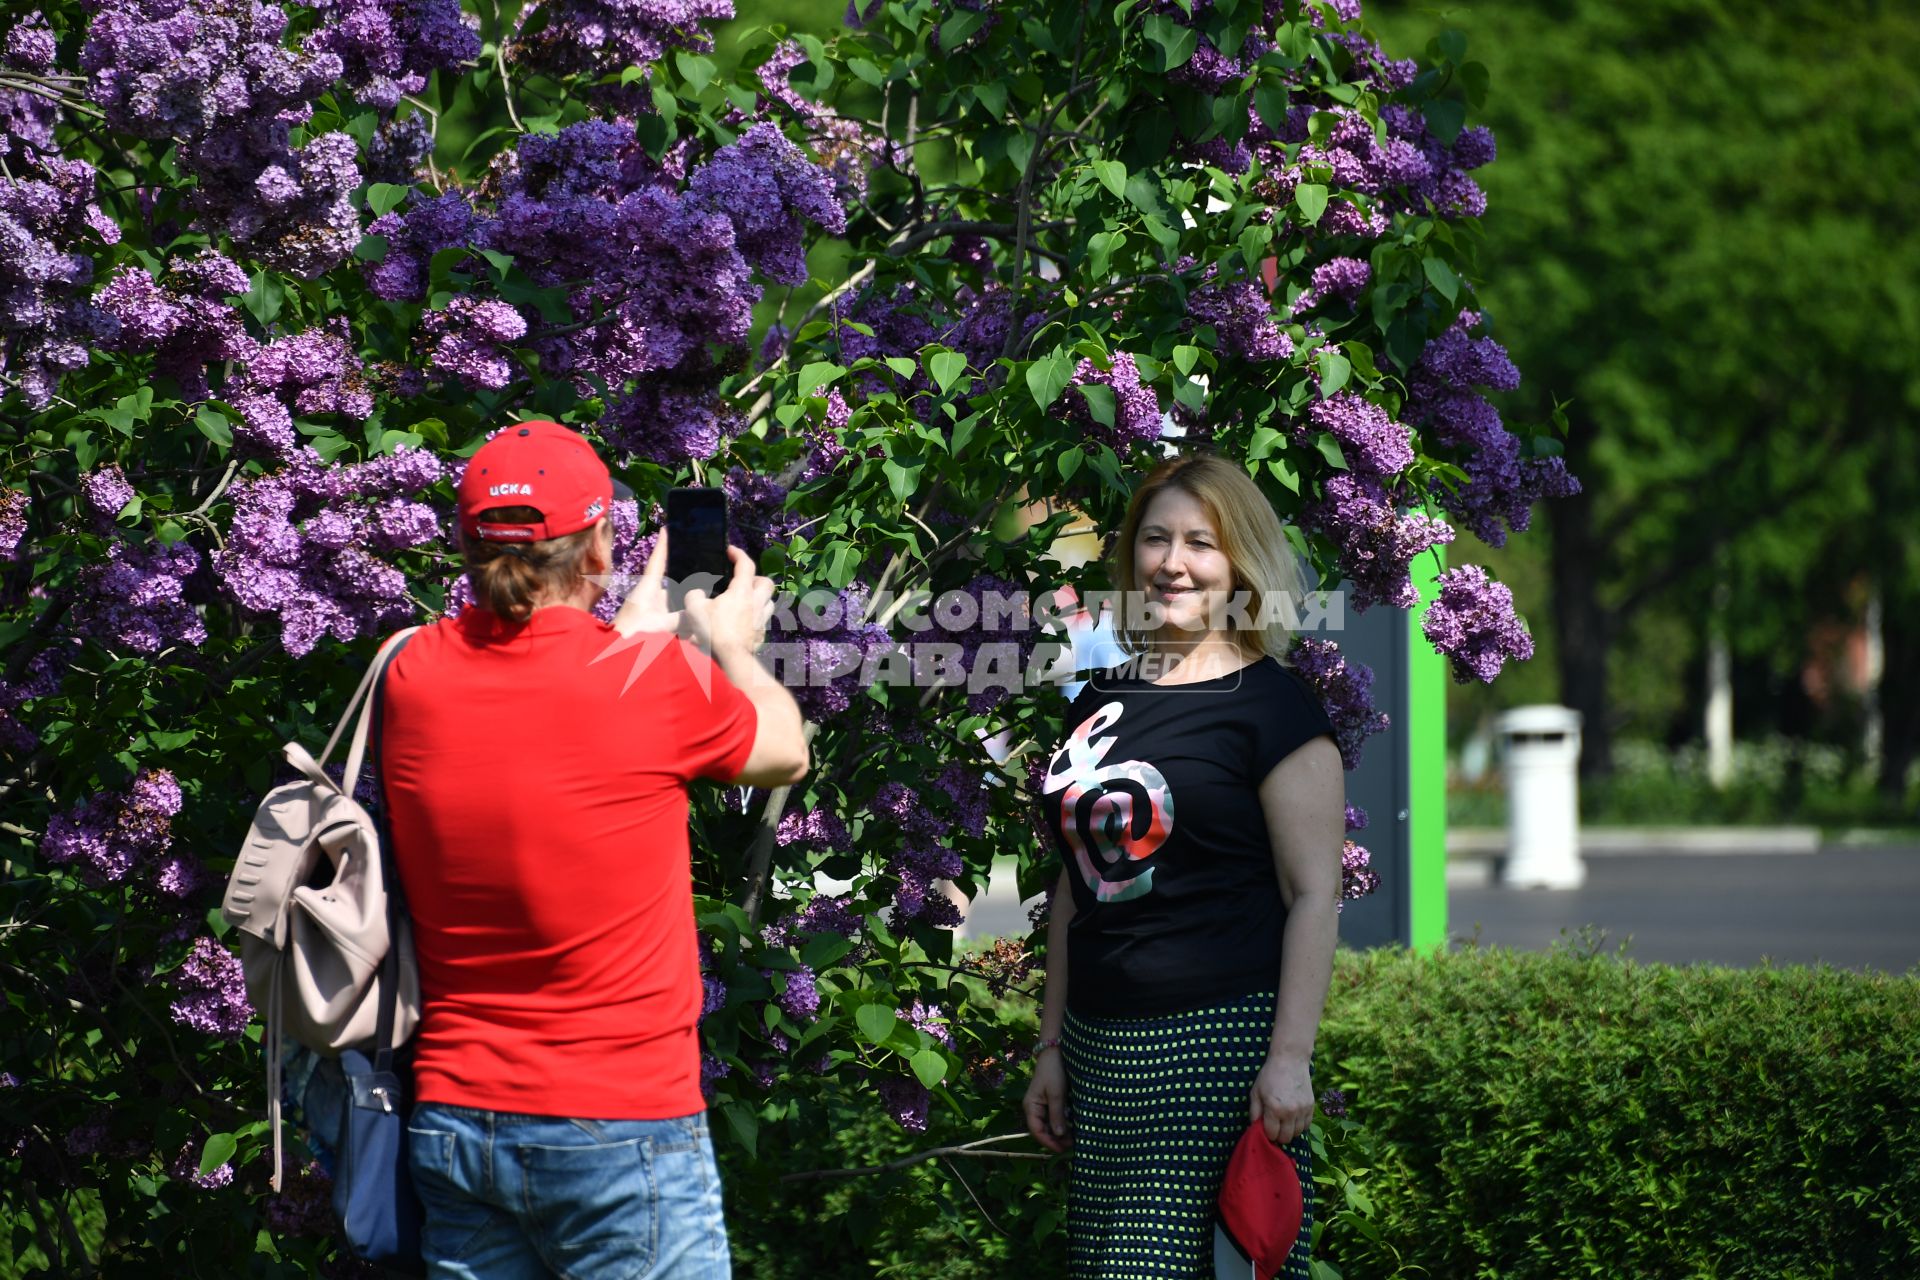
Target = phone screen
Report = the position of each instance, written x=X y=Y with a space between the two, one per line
x=697 y=539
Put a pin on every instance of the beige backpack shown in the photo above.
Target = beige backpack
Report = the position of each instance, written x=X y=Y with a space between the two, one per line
x=308 y=897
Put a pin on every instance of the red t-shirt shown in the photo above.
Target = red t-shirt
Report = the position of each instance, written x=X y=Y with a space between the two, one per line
x=539 y=818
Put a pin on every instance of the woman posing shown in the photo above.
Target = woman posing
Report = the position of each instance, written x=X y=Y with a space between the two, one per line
x=1197 y=801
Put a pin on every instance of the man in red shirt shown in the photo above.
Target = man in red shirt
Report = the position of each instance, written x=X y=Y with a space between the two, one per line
x=536 y=764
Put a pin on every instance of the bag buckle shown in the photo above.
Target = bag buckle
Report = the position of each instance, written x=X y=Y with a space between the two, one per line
x=380 y=1091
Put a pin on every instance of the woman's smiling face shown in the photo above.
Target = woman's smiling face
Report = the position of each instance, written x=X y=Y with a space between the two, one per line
x=1178 y=563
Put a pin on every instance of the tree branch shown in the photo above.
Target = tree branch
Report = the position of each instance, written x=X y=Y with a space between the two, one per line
x=972 y=1150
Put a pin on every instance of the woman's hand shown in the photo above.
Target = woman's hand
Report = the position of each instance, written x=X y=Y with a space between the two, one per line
x=1046 y=1103
x=1282 y=1099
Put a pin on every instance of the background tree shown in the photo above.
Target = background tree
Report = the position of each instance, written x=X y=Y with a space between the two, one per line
x=1703 y=244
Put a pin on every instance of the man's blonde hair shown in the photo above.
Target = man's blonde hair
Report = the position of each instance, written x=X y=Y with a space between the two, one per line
x=1251 y=536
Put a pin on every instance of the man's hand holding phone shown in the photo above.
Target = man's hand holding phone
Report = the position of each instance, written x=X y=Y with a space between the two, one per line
x=735 y=621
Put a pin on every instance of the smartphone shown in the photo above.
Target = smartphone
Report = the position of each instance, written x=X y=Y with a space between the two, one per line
x=696 y=543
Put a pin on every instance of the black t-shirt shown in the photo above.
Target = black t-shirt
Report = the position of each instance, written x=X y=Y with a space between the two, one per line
x=1153 y=798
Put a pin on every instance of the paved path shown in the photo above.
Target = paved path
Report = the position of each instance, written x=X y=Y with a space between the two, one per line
x=1857 y=907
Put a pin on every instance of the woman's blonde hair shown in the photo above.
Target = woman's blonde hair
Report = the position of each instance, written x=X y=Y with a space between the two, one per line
x=511 y=577
x=1251 y=536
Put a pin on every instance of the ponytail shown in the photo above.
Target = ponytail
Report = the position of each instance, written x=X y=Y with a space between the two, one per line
x=510 y=578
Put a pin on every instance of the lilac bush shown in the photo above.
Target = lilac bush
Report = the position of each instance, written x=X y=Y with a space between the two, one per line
x=258 y=308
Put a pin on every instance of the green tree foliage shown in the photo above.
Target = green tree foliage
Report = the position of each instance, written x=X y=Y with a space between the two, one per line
x=1704 y=241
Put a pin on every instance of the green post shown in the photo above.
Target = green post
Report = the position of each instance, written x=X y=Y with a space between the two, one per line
x=1426 y=778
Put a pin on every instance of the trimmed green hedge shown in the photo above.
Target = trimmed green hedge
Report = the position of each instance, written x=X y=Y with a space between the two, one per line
x=1578 y=1114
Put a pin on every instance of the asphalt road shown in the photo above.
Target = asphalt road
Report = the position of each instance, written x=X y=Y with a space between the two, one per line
x=1858 y=908
x=1853 y=907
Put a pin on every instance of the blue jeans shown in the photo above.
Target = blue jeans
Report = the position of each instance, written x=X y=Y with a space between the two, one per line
x=512 y=1196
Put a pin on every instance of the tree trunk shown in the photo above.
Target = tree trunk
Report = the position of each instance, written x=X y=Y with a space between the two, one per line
x=1583 y=629
x=1899 y=693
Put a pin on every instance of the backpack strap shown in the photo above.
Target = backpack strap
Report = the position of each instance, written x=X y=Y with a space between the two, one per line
x=376 y=675
x=383 y=1045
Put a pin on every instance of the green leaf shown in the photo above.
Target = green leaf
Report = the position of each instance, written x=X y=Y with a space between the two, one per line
x=1264 y=439
x=1270 y=100
x=867 y=71
x=1311 y=198
x=1100 y=404
x=745 y=1125
x=385 y=197
x=1185 y=357
x=946 y=367
x=993 y=96
x=929 y=1066
x=1175 y=42
x=903 y=366
x=1334 y=369
x=903 y=480
x=219 y=1149
x=1282 y=470
x=842 y=560
x=1048 y=377
x=501 y=261
x=1441 y=277
x=817 y=375
x=1070 y=461
x=1362 y=357
x=695 y=70
x=1446 y=117
x=876 y=1022
x=1112 y=175
x=1330 y=450
x=955 y=30
x=770 y=1015
x=213 y=425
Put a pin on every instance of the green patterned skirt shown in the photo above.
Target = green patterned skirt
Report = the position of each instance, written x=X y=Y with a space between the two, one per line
x=1157 y=1105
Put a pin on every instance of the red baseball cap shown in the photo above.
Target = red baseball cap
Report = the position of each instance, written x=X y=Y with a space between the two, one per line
x=1260 y=1204
x=542 y=465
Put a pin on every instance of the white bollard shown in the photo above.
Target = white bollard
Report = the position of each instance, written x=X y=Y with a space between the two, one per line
x=1541 y=747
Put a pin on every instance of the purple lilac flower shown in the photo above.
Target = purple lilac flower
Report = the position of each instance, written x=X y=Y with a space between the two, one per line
x=31 y=44
x=930 y=1018
x=48 y=215
x=965 y=787
x=1333 y=1104
x=387 y=48
x=186 y=1167
x=428 y=226
x=304 y=373
x=1374 y=444
x=986 y=319
x=817 y=828
x=1376 y=542
x=89 y=1137
x=905 y=1100
x=399 y=150
x=828 y=913
x=711 y=1069
x=218 y=80
x=1356 y=819
x=1345 y=690
x=473 y=336
x=756 y=511
x=1473 y=623
x=769 y=190
x=713 y=994
x=285 y=555
x=1241 y=316
x=136 y=598
x=1337 y=280
x=304 y=1204
x=13 y=521
x=211 y=992
x=591 y=38
x=1136 y=418
x=187 y=327
x=1357 y=877
x=824 y=668
x=801 y=1000
x=668 y=422
x=106 y=491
